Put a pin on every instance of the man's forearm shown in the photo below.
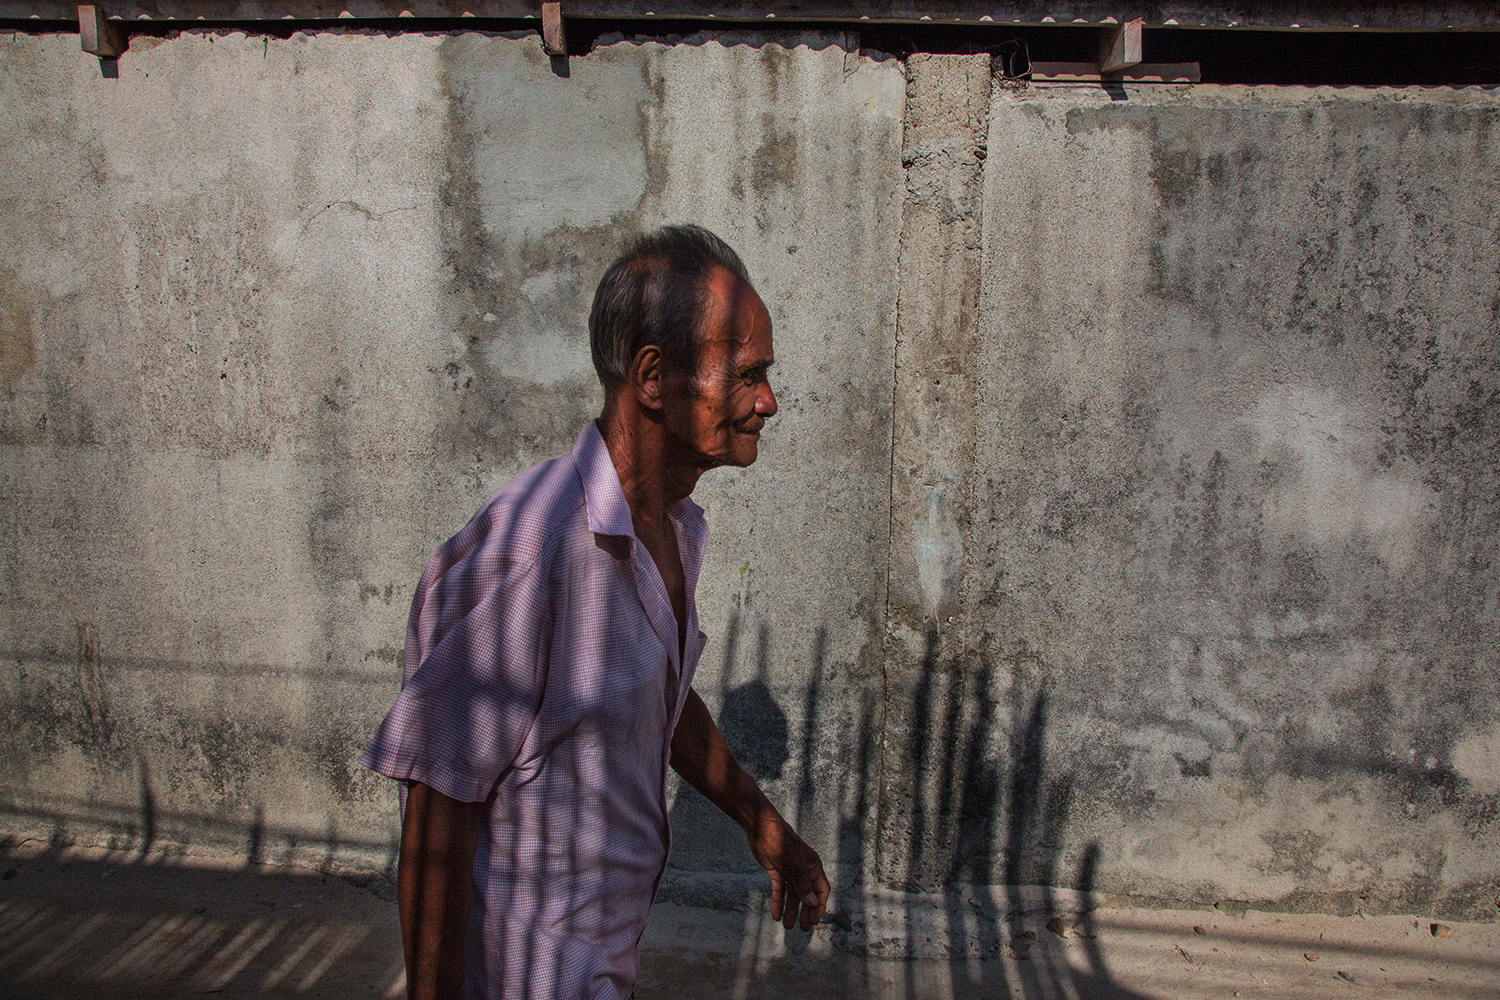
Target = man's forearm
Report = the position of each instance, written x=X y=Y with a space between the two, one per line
x=434 y=887
x=703 y=759
x=798 y=884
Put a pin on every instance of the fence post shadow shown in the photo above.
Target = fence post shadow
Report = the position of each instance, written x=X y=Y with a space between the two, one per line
x=996 y=889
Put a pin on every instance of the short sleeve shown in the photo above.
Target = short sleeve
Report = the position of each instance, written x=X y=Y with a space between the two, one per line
x=464 y=713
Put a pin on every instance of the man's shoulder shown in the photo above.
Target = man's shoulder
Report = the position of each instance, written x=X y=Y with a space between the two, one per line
x=529 y=512
x=513 y=529
x=508 y=541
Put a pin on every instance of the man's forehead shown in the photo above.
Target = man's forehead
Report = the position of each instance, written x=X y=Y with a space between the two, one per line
x=737 y=314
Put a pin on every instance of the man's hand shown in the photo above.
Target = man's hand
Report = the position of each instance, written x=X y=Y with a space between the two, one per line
x=797 y=879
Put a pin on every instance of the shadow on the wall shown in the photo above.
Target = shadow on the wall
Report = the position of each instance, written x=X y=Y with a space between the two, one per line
x=139 y=923
x=948 y=761
x=704 y=839
x=1018 y=926
x=146 y=830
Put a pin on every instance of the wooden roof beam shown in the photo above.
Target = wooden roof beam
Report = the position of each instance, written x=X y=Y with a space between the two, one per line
x=96 y=35
x=1120 y=48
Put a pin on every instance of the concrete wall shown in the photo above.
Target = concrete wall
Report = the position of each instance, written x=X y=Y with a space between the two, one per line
x=279 y=315
x=1129 y=523
x=1201 y=575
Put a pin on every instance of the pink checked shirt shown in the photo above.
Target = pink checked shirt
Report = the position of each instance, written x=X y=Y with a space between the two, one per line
x=541 y=677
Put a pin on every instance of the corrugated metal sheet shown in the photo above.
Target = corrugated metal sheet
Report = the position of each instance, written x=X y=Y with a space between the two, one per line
x=1404 y=16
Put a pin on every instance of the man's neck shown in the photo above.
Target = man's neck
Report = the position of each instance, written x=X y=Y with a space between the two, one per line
x=652 y=477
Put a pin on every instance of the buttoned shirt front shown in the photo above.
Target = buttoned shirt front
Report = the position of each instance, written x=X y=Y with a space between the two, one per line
x=542 y=676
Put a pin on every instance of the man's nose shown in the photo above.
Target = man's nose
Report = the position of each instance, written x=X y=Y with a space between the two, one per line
x=765 y=401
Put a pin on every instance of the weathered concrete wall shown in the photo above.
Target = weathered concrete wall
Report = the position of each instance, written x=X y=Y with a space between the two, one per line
x=226 y=371
x=280 y=314
x=1128 y=524
x=1202 y=595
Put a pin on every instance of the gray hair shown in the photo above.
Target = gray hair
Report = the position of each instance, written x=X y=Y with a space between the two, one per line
x=655 y=294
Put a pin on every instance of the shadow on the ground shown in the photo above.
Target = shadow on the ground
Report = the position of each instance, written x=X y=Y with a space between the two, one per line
x=119 y=926
x=128 y=929
x=987 y=831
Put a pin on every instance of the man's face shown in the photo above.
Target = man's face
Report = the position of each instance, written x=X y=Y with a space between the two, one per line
x=718 y=416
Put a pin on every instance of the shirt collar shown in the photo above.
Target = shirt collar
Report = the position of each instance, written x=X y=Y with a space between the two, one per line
x=608 y=510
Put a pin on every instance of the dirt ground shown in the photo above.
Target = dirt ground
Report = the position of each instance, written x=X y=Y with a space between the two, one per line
x=81 y=924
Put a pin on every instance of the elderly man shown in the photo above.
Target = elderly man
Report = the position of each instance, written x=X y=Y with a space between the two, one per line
x=550 y=655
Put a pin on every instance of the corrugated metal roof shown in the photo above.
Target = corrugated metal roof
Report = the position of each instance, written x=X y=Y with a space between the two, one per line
x=1304 y=14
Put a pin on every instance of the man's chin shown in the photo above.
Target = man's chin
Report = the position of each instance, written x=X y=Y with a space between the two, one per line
x=745 y=452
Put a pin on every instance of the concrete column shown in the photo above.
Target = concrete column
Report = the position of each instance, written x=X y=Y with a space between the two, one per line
x=933 y=447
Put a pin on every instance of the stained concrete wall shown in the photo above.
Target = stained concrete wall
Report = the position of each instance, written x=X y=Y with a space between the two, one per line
x=1127 y=525
x=280 y=314
x=1194 y=512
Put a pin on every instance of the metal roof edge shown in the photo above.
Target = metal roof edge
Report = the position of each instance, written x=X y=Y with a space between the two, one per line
x=1397 y=15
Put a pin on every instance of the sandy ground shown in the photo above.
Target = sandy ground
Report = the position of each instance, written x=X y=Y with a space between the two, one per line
x=79 y=924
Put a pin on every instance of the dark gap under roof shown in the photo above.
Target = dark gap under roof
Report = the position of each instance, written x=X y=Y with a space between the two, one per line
x=1225 y=55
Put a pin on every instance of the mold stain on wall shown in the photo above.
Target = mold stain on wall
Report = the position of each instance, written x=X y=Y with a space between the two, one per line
x=1288 y=515
x=523 y=267
x=17 y=335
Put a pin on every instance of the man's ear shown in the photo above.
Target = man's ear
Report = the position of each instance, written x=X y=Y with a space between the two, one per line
x=647 y=370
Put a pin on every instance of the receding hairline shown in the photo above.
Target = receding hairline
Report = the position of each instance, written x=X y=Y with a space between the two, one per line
x=716 y=307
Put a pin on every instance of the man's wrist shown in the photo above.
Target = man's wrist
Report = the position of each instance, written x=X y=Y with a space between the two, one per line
x=761 y=816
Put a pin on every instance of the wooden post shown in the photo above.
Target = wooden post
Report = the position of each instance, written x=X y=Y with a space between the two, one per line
x=1121 y=47
x=554 y=40
x=95 y=33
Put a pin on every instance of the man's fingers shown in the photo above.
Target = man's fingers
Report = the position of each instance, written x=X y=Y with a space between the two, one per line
x=812 y=911
x=789 y=918
x=811 y=887
x=799 y=886
x=814 y=902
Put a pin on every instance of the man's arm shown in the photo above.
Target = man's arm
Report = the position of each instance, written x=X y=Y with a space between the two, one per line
x=701 y=756
x=434 y=886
